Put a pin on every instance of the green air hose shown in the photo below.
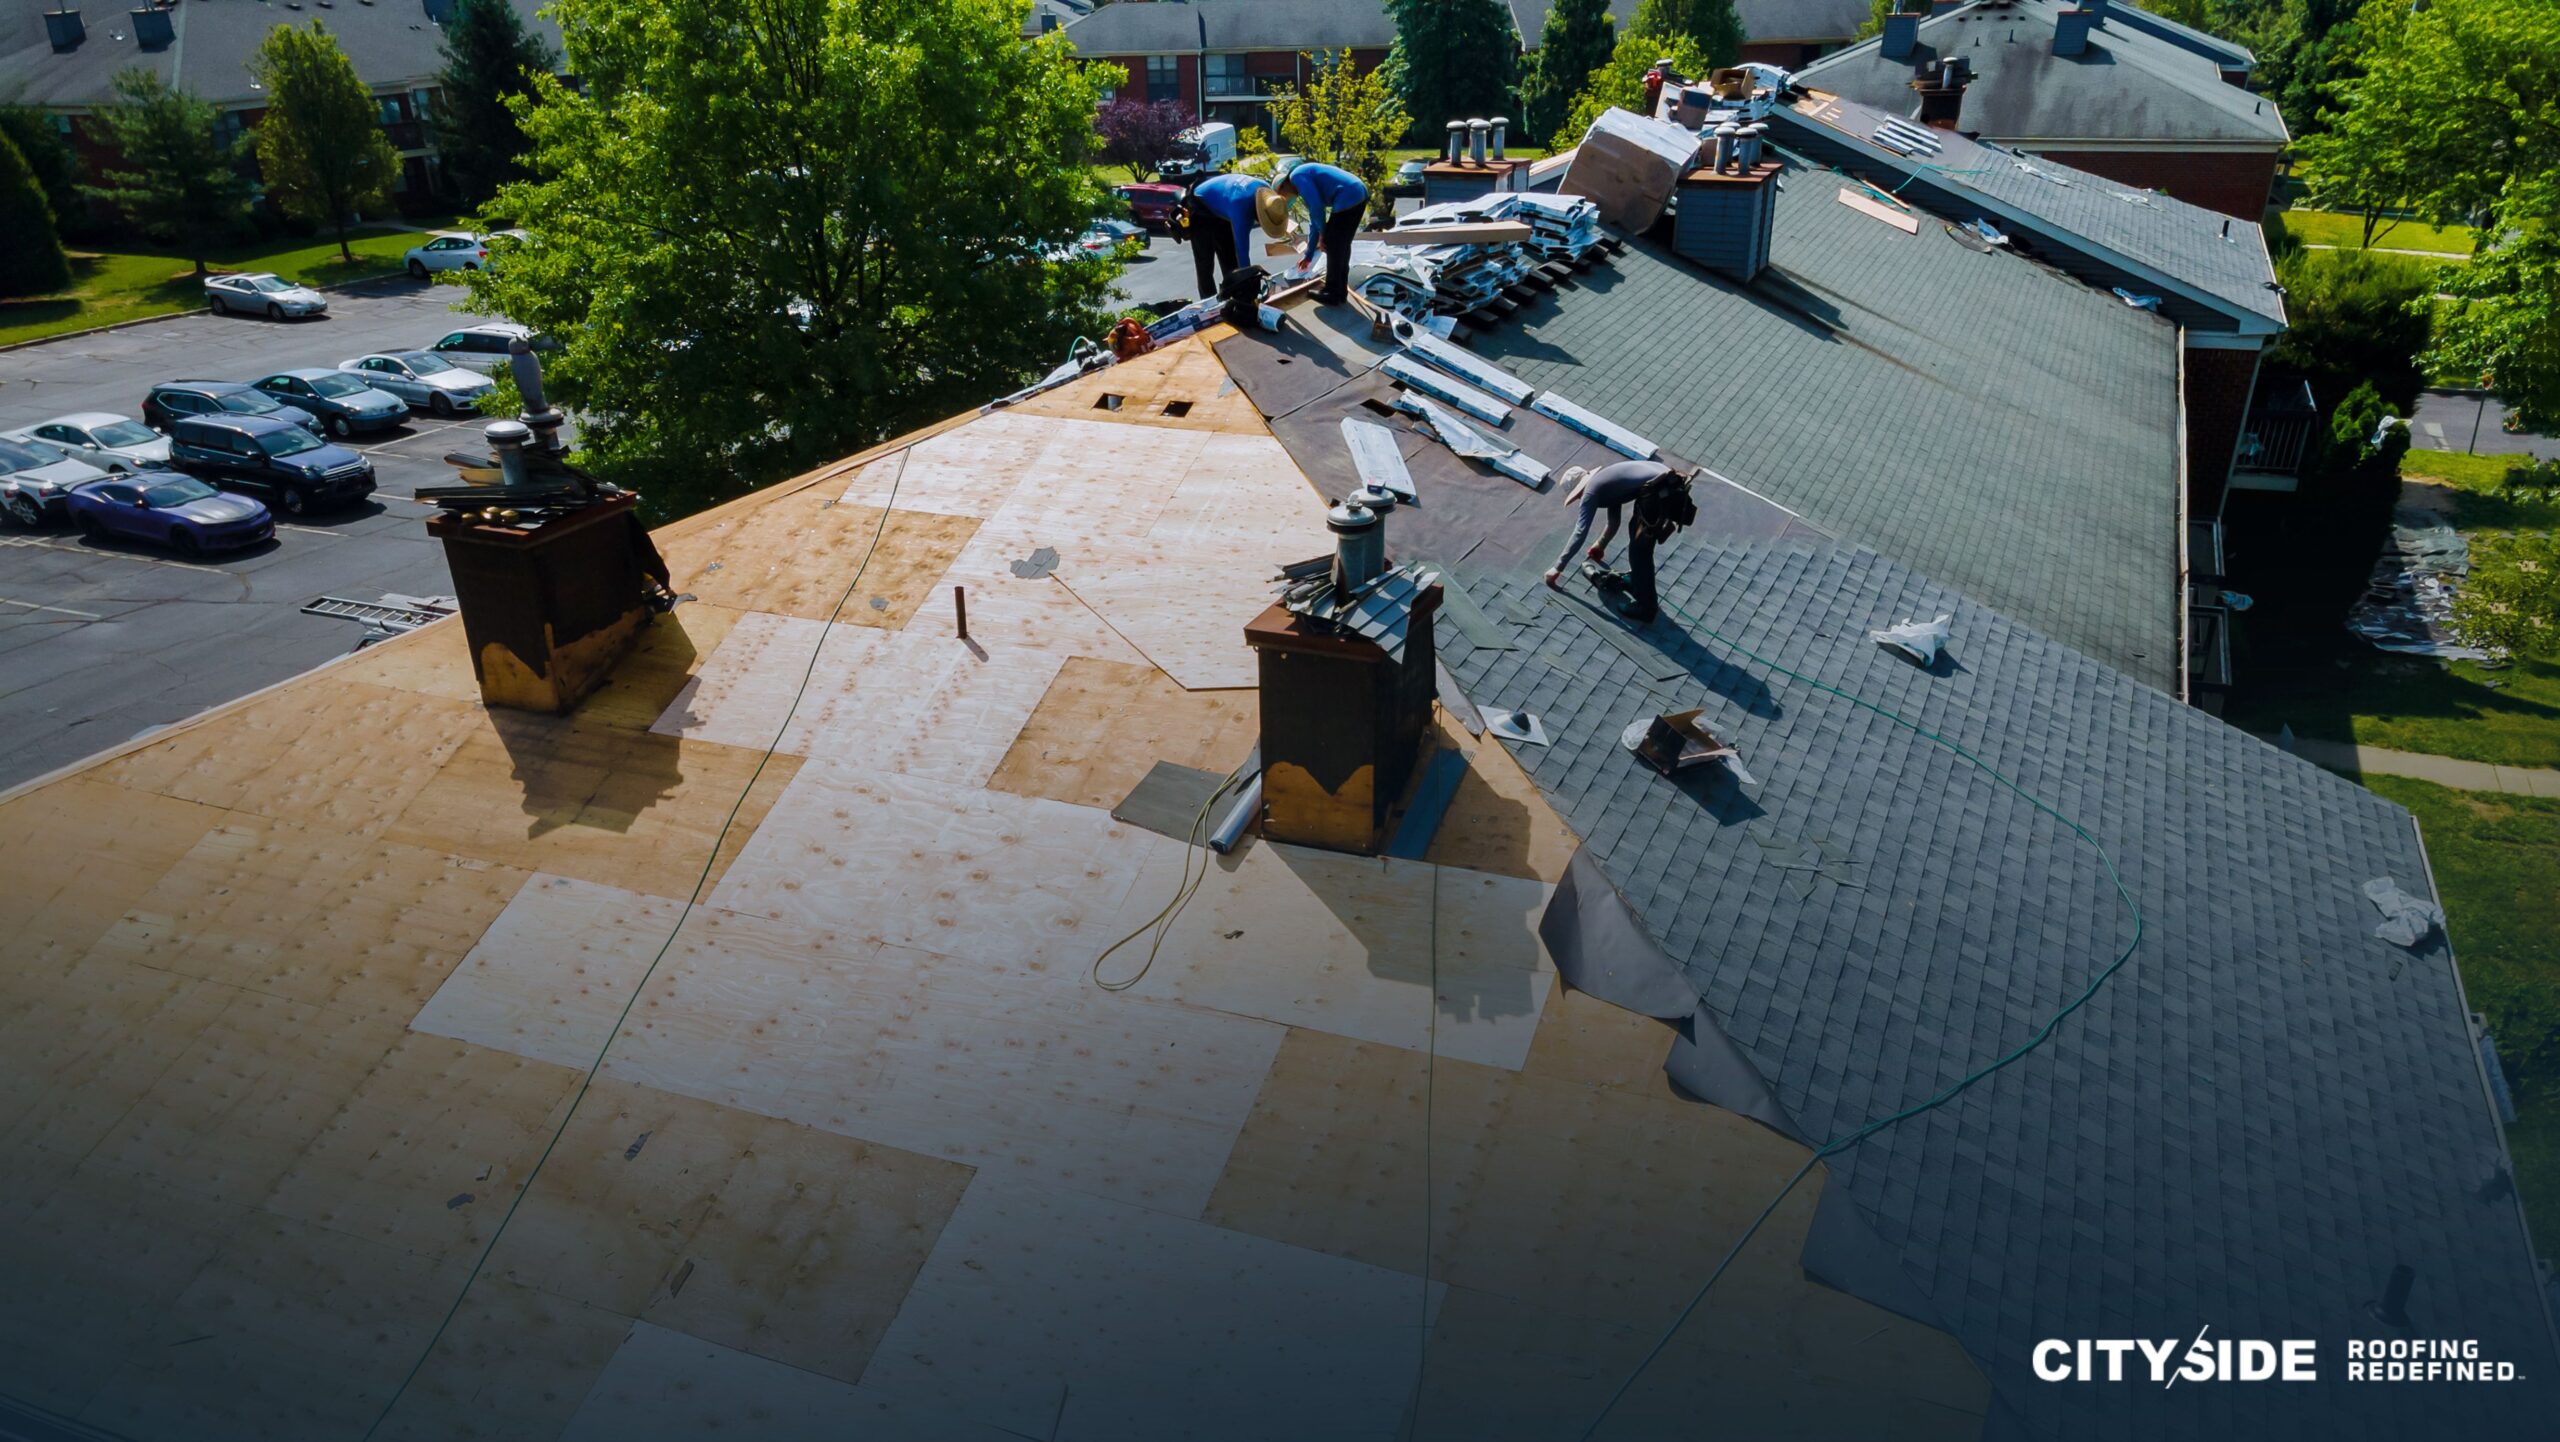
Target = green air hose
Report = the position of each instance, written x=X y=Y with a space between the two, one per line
x=1851 y=1138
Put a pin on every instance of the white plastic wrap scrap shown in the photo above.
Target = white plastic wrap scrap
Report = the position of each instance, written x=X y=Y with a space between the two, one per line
x=2406 y=920
x=1919 y=640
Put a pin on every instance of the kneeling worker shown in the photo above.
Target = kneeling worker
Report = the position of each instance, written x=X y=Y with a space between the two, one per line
x=1222 y=212
x=1662 y=505
x=1336 y=199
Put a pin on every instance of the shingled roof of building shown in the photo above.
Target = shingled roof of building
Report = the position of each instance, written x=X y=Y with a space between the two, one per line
x=2014 y=431
x=2130 y=84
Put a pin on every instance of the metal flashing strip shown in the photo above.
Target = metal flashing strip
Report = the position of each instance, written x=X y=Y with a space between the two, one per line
x=1465 y=440
x=1476 y=371
x=1375 y=458
x=1608 y=433
x=1439 y=385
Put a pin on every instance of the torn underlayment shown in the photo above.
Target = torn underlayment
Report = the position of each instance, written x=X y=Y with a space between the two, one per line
x=2406 y=920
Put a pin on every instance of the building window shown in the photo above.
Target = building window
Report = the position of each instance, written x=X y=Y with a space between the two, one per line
x=1164 y=82
x=1227 y=77
x=391 y=110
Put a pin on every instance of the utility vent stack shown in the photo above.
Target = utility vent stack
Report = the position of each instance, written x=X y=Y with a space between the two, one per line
x=64 y=29
x=1500 y=124
x=1901 y=35
x=1728 y=209
x=1476 y=130
x=1941 y=88
x=153 y=28
x=2071 y=32
x=1457 y=141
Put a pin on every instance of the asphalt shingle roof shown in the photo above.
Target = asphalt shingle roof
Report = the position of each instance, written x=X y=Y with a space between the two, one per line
x=2260 y=1116
x=2223 y=261
x=1994 y=423
x=1164 y=26
x=2130 y=85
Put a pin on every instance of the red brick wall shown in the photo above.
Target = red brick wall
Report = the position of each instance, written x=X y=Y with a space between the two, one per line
x=2234 y=182
x=2218 y=384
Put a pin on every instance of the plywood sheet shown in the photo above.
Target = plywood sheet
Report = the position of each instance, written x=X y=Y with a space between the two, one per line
x=551 y=975
x=514 y=1365
x=365 y=926
x=799 y=554
x=1187 y=617
x=666 y=1386
x=1185 y=372
x=1244 y=495
x=293 y=1330
x=1498 y=820
x=1586 y=1040
x=424 y=1155
x=77 y=853
x=1102 y=724
x=1346 y=944
x=1012 y=881
x=76 y=1054
x=968 y=471
x=1056 y=1314
x=436 y=661
x=986 y=1062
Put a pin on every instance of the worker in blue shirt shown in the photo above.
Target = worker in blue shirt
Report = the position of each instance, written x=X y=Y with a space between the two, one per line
x=1222 y=214
x=1336 y=199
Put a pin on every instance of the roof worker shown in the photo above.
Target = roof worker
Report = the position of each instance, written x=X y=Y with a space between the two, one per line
x=1336 y=199
x=1222 y=214
x=1660 y=496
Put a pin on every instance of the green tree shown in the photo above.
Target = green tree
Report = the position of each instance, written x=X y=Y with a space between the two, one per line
x=50 y=157
x=2353 y=319
x=490 y=59
x=1345 y=117
x=1711 y=25
x=321 y=145
x=32 y=262
x=1620 y=83
x=180 y=181
x=1576 y=41
x=769 y=232
x=2506 y=332
x=1452 y=59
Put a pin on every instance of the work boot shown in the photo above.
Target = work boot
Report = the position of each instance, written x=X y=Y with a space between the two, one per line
x=1551 y=581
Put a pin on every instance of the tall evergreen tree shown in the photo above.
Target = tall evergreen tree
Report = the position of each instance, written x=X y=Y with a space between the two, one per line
x=1711 y=24
x=31 y=260
x=1452 y=59
x=490 y=58
x=321 y=145
x=50 y=156
x=180 y=181
x=1576 y=41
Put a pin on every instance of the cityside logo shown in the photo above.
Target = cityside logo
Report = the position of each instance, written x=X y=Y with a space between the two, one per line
x=2234 y=1359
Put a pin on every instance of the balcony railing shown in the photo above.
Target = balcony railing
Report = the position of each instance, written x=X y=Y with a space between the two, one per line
x=2278 y=429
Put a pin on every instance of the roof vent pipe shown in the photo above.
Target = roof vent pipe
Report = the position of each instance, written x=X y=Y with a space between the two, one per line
x=2071 y=32
x=1728 y=135
x=1751 y=138
x=1457 y=141
x=64 y=29
x=1500 y=124
x=1359 y=546
x=153 y=29
x=1475 y=140
x=507 y=439
x=1901 y=36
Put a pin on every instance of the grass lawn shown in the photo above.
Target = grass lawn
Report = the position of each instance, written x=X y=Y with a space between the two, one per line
x=2509 y=715
x=112 y=286
x=2323 y=227
x=2497 y=862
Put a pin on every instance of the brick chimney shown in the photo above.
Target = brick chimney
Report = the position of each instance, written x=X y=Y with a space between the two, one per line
x=1941 y=90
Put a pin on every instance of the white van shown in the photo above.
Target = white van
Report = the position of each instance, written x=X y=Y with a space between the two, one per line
x=1202 y=150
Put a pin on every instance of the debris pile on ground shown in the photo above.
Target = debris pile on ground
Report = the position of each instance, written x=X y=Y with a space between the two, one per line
x=2408 y=605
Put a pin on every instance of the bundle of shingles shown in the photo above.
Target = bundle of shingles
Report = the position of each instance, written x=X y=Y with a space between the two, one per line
x=1461 y=278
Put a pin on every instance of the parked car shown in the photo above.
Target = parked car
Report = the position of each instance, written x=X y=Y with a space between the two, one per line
x=273 y=456
x=426 y=380
x=111 y=442
x=259 y=293
x=1407 y=180
x=1152 y=206
x=171 y=400
x=453 y=250
x=36 y=480
x=1113 y=237
x=483 y=347
x=344 y=404
x=177 y=511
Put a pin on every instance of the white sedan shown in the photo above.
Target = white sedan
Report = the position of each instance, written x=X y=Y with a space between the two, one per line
x=425 y=380
x=115 y=444
x=258 y=293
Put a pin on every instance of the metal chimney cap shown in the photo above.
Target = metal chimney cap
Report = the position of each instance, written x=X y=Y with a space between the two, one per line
x=1349 y=517
x=506 y=433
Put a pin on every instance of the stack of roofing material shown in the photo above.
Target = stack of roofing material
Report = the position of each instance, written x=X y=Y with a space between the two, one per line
x=1561 y=227
x=1451 y=279
x=1629 y=165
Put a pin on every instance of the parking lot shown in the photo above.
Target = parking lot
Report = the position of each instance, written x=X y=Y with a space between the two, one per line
x=100 y=642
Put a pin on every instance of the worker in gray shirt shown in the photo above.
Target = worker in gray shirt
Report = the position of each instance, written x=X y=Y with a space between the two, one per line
x=1660 y=496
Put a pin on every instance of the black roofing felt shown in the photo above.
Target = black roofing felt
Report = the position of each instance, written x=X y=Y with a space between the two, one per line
x=2262 y=1114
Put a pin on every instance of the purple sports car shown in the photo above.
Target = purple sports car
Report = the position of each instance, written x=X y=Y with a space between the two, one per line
x=178 y=511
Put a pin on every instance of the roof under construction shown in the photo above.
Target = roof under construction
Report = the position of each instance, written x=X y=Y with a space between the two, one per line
x=748 y=1049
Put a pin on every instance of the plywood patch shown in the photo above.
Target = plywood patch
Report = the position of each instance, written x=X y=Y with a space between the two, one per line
x=1498 y=820
x=1188 y=618
x=1055 y=1314
x=554 y=971
x=366 y=926
x=1102 y=724
x=968 y=471
x=798 y=554
x=666 y=1386
x=514 y=1364
x=982 y=1062
x=1186 y=371
x=1347 y=944
x=424 y=1155
x=338 y=754
x=1244 y=497
x=77 y=853
x=1586 y=1040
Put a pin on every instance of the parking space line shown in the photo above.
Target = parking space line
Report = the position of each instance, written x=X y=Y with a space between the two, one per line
x=74 y=548
x=307 y=530
x=56 y=610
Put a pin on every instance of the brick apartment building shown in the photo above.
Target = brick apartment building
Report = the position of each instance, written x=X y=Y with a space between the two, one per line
x=64 y=61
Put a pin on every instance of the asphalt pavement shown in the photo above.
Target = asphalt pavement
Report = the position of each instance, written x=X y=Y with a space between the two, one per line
x=100 y=643
x=2472 y=422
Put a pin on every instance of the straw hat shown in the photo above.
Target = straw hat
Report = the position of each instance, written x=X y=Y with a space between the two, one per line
x=1271 y=209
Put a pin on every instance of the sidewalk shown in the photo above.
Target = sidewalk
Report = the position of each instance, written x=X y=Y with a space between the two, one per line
x=2442 y=770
